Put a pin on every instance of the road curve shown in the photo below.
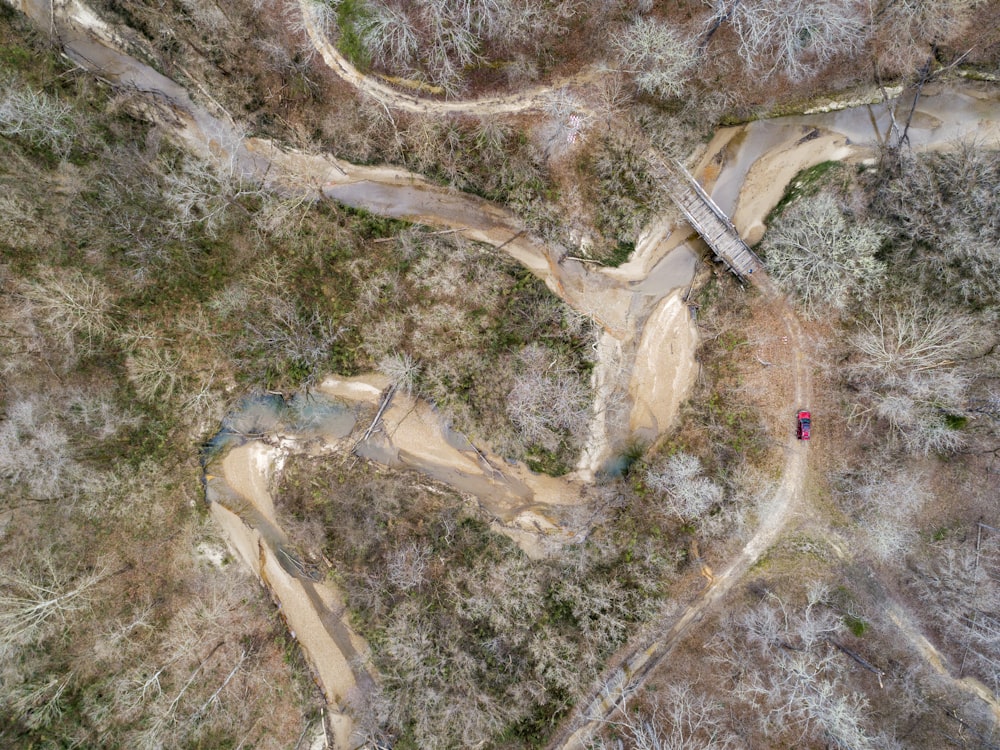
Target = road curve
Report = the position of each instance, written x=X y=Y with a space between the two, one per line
x=534 y=99
x=638 y=660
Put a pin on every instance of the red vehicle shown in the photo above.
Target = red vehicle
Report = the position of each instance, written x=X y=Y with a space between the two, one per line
x=804 y=423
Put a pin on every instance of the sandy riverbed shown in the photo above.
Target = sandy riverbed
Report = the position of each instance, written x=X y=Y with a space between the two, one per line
x=313 y=611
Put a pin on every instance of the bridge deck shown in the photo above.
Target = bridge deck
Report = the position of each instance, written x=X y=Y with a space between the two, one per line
x=710 y=221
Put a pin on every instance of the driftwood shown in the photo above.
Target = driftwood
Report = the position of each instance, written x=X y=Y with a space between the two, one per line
x=427 y=234
x=495 y=473
x=925 y=74
x=519 y=234
x=383 y=405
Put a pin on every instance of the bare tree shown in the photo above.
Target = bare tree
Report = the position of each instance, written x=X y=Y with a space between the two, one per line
x=794 y=679
x=154 y=372
x=793 y=37
x=814 y=252
x=547 y=402
x=201 y=192
x=407 y=566
x=946 y=212
x=74 y=307
x=680 y=718
x=957 y=580
x=391 y=38
x=39 y=703
x=885 y=500
x=401 y=369
x=687 y=492
x=36 y=455
x=659 y=56
x=906 y=30
x=37 y=117
x=911 y=340
x=34 y=596
x=911 y=372
x=303 y=338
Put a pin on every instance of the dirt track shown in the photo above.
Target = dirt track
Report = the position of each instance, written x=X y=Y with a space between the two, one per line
x=633 y=664
x=532 y=99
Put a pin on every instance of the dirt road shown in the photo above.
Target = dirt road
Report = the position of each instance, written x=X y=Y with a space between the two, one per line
x=634 y=663
x=532 y=99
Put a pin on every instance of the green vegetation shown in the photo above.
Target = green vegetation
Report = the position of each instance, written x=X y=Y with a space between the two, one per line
x=626 y=194
x=808 y=183
x=352 y=15
x=856 y=625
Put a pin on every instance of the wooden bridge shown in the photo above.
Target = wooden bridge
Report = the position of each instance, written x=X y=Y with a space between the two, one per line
x=708 y=220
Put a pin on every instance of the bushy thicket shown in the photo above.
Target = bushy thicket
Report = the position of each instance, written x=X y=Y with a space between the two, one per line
x=475 y=644
x=489 y=345
x=944 y=210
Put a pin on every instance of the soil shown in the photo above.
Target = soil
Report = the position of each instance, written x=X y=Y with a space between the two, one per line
x=313 y=611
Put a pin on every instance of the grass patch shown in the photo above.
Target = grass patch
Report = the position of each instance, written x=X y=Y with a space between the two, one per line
x=351 y=16
x=622 y=252
x=856 y=625
x=805 y=183
x=955 y=421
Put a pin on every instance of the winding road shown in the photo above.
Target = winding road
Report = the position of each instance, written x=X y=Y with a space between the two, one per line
x=637 y=661
x=532 y=99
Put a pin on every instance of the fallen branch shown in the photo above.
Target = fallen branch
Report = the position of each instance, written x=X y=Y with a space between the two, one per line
x=383 y=405
x=427 y=234
x=194 y=674
x=215 y=695
x=495 y=473
x=860 y=660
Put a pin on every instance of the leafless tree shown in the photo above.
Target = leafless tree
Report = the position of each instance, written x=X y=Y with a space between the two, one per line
x=36 y=455
x=389 y=35
x=33 y=596
x=885 y=499
x=905 y=30
x=946 y=211
x=958 y=583
x=913 y=339
x=154 y=372
x=793 y=37
x=17 y=217
x=680 y=718
x=407 y=566
x=813 y=251
x=304 y=338
x=794 y=678
x=401 y=369
x=687 y=492
x=75 y=308
x=42 y=120
x=202 y=192
x=38 y=703
x=659 y=56
x=547 y=402
x=911 y=372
